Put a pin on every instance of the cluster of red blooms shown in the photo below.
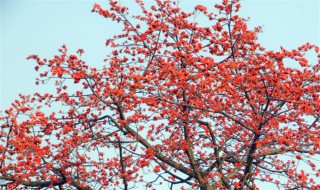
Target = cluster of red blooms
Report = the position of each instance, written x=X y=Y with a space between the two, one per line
x=176 y=103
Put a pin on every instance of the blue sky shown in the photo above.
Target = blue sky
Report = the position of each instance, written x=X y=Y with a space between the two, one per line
x=41 y=27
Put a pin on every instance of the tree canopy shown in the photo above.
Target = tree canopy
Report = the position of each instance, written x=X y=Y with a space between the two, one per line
x=178 y=104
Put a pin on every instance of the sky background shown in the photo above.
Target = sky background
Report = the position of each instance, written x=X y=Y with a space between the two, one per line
x=41 y=27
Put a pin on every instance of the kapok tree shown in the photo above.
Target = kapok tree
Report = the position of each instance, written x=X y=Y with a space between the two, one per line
x=176 y=105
